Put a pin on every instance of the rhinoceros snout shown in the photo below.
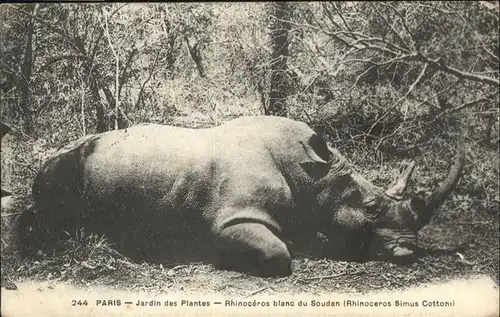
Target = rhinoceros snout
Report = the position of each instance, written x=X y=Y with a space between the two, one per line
x=403 y=248
x=402 y=252
x=405 y=251
x=398 y=254
x=404 y=255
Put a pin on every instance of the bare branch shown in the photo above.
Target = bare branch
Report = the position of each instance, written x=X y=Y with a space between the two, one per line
x=312 y=47
x=46 y=24
x=399 y=37
x=435 y=8
x=437 y=63
x=108 y=36
x=490 y=53
x=439 y=116
x=392 y=49
x=341 y=16
x=439 y=93
x=125 y=68
x=468 y=104
x=55 y=29
x=399 y=100
x=362 y=42
x=117 y=72
x=56 y=59
x=134 y=28
x=489 y=5
x=458 y=73
x=359 y=77
x=406 y=57
x=403 y=22
x=150 y=75
x=414 y=84
x=84 y=130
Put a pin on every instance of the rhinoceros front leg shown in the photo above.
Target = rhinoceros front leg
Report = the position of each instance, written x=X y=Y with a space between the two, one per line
x=252 y=248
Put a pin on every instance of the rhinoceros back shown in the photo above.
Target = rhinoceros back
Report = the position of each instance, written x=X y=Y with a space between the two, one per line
x=144 y=162
x=62 y=171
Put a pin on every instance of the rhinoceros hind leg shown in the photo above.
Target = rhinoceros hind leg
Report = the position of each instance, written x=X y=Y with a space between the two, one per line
x=252 y=248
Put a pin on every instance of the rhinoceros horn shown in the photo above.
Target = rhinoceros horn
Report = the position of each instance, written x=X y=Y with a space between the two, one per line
x=398 y=187
x=425 y=208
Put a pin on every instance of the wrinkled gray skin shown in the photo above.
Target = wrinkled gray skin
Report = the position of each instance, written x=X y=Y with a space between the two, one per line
x=240 y=194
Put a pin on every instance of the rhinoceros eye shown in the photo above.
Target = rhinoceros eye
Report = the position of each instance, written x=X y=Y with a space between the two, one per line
x=370 y=202
x=372 y=208
x=373 y=212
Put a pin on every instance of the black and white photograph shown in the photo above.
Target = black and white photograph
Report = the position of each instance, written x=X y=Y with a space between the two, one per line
x=250 y=158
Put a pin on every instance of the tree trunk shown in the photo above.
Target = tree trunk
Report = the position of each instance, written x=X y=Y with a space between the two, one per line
x=279 y=33
x=84 y=128
x=99 y=109
x=195 y=53
x=27 y=69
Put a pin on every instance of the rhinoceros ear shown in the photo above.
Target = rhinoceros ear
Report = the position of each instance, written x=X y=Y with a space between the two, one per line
x=317 y=160
x=316 y=149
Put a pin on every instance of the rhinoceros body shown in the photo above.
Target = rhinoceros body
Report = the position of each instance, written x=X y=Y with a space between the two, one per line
x=238 y=194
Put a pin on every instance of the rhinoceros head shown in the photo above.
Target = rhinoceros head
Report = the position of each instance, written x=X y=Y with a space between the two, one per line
x=363 y=221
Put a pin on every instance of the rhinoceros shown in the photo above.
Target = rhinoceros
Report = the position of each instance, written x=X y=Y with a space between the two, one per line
x=240 y=194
